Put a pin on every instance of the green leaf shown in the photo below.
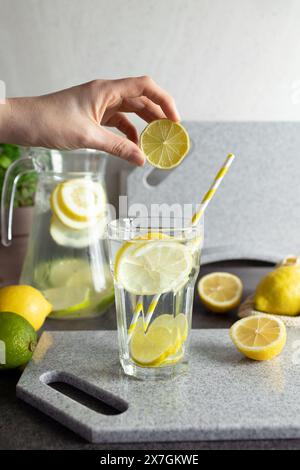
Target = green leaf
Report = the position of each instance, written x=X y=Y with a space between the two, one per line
x=4 y=161
x=27 y=184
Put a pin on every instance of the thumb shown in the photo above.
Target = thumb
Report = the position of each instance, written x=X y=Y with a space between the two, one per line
x=118 y=146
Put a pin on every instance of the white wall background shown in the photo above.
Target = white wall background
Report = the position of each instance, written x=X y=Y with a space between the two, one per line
x=221 y=59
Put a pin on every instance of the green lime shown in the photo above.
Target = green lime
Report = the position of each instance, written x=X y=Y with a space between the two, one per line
x=18 y=340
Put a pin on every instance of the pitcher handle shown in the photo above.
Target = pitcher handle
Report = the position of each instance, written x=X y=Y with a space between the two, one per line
x=13 y=174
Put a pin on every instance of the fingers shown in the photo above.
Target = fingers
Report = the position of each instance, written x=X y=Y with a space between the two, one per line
x=144 y=108
x=121 y=122
x=145 y=86
x=116 y=145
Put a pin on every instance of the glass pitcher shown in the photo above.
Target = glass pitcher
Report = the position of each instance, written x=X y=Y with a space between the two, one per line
x=66 y=256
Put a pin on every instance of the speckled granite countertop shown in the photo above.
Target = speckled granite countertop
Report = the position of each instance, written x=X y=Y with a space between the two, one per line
x=23 y=427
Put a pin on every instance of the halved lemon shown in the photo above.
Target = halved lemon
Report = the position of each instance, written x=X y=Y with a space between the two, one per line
x=81 y=199
x=259 y=337
x=165 y=143
x=154 y=267
x=220 y=292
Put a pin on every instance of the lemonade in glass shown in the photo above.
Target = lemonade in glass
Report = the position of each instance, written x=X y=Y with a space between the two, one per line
x=154 y=265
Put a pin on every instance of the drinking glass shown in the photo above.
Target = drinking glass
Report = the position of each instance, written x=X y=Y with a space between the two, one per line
x=155 y=264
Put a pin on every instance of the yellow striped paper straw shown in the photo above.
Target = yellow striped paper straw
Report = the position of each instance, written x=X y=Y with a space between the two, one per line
x=151 y=309
x=195 y=219
x=213 y=188
x=139 y=309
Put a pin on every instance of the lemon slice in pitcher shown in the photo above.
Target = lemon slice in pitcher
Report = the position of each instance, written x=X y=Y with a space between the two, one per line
x=165 y=143
x=78 y=203
x=81 y=199
x=67 y=299
x=65 y=236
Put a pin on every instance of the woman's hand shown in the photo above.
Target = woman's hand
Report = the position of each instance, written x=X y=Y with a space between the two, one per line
x=75 y=117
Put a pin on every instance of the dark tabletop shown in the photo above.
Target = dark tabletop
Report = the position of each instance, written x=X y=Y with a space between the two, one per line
x=23 y=427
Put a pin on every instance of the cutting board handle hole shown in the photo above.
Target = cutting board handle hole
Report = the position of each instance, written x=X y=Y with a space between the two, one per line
x=95 y=399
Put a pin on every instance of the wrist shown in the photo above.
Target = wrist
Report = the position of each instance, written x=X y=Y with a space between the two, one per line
x=5 y=118
x=16 y=122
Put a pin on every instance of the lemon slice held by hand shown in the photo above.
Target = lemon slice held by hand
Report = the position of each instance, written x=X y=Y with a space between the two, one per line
x=165 y=143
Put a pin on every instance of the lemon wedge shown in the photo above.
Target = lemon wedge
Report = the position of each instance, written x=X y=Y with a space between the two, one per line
x=259 y=337
x=220 y=292
x=165 y=143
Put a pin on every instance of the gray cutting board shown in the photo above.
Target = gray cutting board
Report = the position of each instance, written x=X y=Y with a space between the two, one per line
x=256 y=213
x=221 y=397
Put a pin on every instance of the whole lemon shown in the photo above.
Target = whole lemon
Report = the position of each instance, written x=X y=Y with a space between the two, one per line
x=27 y=302
x=279 y=291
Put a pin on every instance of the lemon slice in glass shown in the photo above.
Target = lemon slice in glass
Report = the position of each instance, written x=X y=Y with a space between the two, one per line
x=154 y=267
x=165 y=143
x=178 y=324
x=220 y=292
x=259 y=337
x=152 y=348
x=173 y=358
x=182 y=324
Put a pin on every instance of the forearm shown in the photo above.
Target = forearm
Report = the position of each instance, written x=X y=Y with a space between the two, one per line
x=17 y=121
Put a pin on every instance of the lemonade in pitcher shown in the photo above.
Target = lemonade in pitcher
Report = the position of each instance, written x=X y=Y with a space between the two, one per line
x=66 y=257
